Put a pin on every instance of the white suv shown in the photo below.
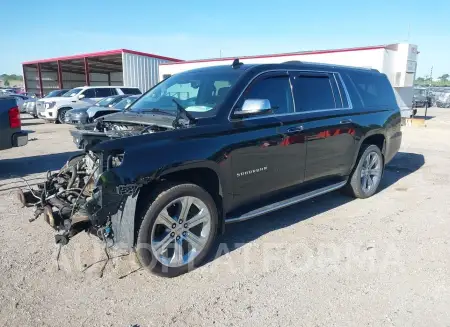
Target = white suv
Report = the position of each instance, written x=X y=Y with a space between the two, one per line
x=54 y=109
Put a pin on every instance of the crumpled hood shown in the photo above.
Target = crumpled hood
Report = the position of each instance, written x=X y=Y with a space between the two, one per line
x=137 y=118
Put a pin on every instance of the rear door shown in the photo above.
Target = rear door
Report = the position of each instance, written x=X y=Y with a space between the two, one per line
x=328 y=126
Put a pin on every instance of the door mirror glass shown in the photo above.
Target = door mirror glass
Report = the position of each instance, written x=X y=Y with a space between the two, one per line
x=81 y=96
x=253 y=107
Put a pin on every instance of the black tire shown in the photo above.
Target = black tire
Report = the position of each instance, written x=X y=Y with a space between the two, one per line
x=354 y=186
x=164 y=195
x=61 y=115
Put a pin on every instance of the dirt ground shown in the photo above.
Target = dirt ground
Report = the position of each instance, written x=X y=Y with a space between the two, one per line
x=331 y=261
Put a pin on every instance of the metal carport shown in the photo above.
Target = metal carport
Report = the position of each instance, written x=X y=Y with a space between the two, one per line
x=115 y=67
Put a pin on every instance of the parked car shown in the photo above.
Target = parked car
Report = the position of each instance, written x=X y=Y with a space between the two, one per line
x=421 y=99
x=80 y=116
x=220 y=145
x=30 y=104
x=96 y=112
x=11 y=134
x=54 y=109
x=20 y=100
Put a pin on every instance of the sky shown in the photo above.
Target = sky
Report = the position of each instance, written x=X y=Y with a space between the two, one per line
x=196 y=29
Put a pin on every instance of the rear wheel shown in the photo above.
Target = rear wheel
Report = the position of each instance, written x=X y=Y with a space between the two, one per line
x=177 y=229
x=366 y=177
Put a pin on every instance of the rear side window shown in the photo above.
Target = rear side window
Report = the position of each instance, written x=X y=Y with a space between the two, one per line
x=314 y=92
x=105 y=92
x=373 y=88
x=129 y=90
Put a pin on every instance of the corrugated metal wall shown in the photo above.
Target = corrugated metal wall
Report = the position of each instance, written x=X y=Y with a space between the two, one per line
x=140 y=71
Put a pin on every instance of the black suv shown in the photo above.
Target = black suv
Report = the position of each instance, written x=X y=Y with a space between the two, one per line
x=220 y=145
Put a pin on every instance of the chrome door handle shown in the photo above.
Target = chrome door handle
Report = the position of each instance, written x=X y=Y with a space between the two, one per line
x=346 y=121
x=295 y=129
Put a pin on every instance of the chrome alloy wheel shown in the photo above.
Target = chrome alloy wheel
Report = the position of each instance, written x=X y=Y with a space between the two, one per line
x=371 y=172
x=181 y=231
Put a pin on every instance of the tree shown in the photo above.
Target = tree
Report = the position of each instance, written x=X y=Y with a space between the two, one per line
x=420 y=79
x=444 y=77
x=6 y=83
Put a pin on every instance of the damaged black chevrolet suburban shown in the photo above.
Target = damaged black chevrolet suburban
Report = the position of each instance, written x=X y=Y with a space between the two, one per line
x=220 y=145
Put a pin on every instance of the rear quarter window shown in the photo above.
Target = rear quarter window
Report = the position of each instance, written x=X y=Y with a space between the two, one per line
x=373 y=88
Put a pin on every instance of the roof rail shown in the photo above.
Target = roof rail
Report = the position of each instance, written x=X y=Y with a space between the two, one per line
x=293 y=62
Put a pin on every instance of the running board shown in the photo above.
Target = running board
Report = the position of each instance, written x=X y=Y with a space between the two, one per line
x=285 y=203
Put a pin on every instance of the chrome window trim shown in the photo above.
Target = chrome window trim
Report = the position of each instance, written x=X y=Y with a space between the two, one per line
x=350 y=104
x=332 y=91
x=339 y=89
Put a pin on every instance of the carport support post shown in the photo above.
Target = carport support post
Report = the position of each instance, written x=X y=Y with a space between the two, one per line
x=25 y=84
x=86 y=71
x=41 y=89
x=60 y=81
x=109 y=79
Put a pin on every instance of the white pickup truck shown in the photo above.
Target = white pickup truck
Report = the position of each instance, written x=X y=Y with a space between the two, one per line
x=54 y=109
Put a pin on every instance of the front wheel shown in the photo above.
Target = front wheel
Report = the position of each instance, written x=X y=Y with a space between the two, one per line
x=62 y=116
x=366 y=177
x=177 y=229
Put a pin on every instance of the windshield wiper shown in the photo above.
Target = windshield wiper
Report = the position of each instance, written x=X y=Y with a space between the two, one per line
x=156 y=110
x=182 y=114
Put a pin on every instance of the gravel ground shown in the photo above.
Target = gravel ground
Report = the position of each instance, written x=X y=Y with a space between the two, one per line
x=332 y=261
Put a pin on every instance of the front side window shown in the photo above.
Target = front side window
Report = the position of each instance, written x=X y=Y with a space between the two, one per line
x=89 y=93
x=276 y=89
x=104 y=92
x=196 y=91
x=313 y=92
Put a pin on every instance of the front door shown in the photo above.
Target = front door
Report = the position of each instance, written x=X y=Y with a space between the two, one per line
x=329 y=130
x=266 y=157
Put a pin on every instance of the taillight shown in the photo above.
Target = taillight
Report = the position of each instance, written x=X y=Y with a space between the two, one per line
x=14 y=117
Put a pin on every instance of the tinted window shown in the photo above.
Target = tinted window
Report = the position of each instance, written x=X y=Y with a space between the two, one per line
x=374 y=88
x=313 y=92
x=104 y=92
x=89 y=93
x=127 y=90
x=276 y=89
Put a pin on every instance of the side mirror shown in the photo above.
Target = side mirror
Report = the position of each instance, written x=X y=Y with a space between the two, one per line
x=81 y=96
x=254 y=107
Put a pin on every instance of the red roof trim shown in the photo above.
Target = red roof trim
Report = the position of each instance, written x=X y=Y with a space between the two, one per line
x=151 y=55
x=98 y=54
x=281 y=54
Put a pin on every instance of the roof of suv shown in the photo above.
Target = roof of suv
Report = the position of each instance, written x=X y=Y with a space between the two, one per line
x=286 y=65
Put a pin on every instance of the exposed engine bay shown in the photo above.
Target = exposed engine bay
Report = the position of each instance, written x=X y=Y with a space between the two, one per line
x=119 y=125
x=63 y=197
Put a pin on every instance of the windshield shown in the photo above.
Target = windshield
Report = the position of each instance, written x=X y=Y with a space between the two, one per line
x=125 y=102
x=199 y=92
x=106 y=101
x=72 y=92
